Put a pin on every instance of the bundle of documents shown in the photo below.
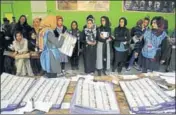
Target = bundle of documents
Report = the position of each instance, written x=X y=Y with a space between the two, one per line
x=94 y=98
x=144 y=96
x=68 y=44
x=13 y=90
x=49 y=91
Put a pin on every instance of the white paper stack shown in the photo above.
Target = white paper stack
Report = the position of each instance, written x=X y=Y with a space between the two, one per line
x=69 y=43
x=48 y=91
x=13 y=90
x=94 y=98
x=144 y=96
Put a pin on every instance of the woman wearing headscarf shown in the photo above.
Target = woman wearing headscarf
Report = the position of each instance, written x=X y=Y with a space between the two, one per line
x=60 y=29
x=49 y=44
x=76 y=51
x=155 y=48
x=171 y=64
x=88 y=39
x=121 y=44
x=20 y=46
x=103 y=46
x=9 y=65
x=33 y=46
x=23 y=26
x=136 y=42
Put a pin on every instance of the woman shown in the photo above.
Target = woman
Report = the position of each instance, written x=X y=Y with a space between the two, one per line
x=76 y=52
x=9 y=63
x=49 y=58
x=89 y=46
x=155 y=48
x=23 y=26
x=121 y=44
x=103 y=46
x=33 y=46
x=20 y=46
x=136 y=34
x=171 y=64
x=60 y=29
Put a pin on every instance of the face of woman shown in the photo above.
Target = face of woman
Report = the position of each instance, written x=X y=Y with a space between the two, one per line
x=74 y=26
x=154 y=25
x=18 y=37
x=59 y=22
x=36 y=23
x=89 y=24
x=103 y=21
x=22 y=20
x=122 y=23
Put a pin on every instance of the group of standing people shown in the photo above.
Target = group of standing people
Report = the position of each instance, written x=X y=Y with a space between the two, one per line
x=144 y=47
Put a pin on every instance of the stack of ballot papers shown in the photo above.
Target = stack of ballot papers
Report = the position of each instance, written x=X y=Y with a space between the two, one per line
x=94 y=98
x=47 y=93
x=13 y=90
x=144 y=96
x=68 y=44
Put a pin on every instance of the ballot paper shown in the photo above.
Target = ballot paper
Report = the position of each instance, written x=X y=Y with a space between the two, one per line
x=170 y=93
x=129 y=76
x=68 y=44
x=13 y=90
x=144 y=96
x=170 y=80
x=48 y=92
x=94 y=98
x=105 y=34
x=65 y=105
x=42 y=106
x=87 y=77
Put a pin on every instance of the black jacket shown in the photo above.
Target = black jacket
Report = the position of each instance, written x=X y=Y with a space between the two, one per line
x=2 y=35
x=122 y=35
x=25 y=29
x=103 y=29
x=57 y=33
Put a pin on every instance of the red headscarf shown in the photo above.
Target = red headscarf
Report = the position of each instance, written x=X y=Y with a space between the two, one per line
x=57 y=18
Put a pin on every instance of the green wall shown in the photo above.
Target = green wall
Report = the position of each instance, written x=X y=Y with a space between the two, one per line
x=116 y=11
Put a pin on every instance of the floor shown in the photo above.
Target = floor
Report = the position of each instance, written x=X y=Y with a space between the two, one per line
x=81 y=69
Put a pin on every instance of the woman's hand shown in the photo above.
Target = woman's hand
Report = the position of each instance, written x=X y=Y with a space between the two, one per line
x=91 y=43
x=109 y=39
x=135 y=54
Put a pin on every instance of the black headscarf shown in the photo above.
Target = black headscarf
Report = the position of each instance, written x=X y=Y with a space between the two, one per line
x=125 y=21
x=25 y=23
x=108 y=23
x=75 y=23
x=160 y=23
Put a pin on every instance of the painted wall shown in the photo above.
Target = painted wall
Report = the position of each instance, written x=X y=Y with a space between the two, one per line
x=116 y=11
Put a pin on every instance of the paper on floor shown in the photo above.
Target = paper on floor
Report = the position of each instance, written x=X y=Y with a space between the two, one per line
x=170 y=80
x=171 y=93
x=86 y=77
x=42 y=106
x=65 y=105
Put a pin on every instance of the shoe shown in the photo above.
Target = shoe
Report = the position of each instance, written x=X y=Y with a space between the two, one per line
x=138 y=68
x=104 y=72
x=128 y=69
x=77 y=68
x=73 y=68
x=63 y=72
x=99 y=72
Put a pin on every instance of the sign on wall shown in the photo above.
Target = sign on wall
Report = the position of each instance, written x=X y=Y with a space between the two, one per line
x=149 y=6
x=82 y=5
